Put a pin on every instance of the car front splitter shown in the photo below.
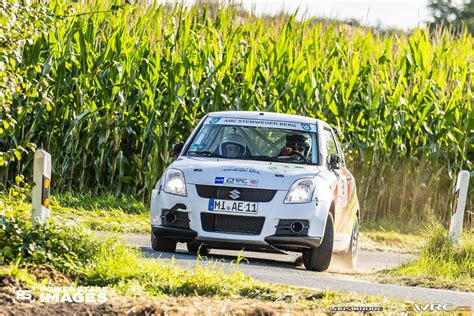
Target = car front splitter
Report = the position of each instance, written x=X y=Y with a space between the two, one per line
x=178 y=234
x=292 y=241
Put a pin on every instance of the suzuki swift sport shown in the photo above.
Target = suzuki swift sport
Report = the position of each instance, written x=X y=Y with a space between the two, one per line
x=261 y=182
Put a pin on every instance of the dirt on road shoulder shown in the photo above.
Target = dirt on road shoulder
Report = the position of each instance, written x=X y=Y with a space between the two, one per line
x=163 y=306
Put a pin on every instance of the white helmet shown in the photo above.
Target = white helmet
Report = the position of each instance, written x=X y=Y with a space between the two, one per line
x=234 y=139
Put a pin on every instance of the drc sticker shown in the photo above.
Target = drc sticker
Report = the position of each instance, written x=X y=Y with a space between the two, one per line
x=236 y=181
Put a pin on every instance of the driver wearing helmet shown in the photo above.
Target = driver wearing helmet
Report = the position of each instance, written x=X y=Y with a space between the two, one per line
x=232 y=146
x=296 y=145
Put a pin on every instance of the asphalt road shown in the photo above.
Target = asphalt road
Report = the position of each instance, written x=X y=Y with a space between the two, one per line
x=277 y=268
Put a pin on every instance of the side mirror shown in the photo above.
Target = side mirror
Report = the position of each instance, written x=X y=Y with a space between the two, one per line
x=177 y=148
x=334 y=161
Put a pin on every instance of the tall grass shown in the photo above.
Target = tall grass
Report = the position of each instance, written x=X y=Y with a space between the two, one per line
x=126 y=83
x=440 y=263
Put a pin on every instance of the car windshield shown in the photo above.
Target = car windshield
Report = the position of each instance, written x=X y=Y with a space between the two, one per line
x=262 y=140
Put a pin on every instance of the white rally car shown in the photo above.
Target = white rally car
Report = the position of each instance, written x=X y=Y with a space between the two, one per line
x=259 y=181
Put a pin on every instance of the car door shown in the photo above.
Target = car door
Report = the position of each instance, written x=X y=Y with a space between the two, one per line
x=341 y=190
x=351 y=201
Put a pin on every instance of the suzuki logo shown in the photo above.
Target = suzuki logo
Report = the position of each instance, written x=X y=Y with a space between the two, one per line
x=235 y=194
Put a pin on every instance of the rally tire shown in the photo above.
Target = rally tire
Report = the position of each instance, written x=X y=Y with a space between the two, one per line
x=162 y=244
x=197 y=247
x=349 y=258
x=318 y=259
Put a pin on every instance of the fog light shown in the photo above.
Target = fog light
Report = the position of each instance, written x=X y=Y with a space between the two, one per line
x=296 y=227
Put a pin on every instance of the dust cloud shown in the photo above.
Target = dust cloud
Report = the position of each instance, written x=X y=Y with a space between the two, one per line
x=338 y=265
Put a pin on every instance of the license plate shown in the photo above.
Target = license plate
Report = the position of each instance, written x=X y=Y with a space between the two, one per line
x=232 y=206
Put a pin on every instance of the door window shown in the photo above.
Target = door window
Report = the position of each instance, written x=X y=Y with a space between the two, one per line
x=330 y=143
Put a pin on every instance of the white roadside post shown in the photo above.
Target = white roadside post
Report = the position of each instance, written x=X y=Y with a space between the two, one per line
x=459 y=203
x=42 y=185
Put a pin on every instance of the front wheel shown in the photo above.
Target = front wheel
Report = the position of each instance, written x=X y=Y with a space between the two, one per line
x=318 y=259
x=349 y=258
x=162 y=244
x=197 y=247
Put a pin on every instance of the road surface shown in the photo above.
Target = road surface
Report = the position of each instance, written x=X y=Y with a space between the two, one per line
x=278 y=268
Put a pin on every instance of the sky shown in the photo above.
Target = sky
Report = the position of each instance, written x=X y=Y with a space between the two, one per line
x=404 y=14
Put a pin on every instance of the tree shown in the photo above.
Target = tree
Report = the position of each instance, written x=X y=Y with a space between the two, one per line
x=467 y=15
x=445 y=13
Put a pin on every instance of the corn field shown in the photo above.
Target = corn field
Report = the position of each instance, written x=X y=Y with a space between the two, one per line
x=107 y=89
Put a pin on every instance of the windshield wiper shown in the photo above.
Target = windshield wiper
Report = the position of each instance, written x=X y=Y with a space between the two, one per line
x=205 y=153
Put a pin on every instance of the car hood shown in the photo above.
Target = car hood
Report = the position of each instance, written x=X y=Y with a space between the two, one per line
x=242 y=173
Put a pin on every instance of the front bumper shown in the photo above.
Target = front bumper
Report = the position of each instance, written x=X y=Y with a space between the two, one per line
x=274 y=241
x=315 y=213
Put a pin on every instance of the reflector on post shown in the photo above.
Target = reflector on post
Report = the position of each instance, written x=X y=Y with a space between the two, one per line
x=42 y=186
x=45 y=191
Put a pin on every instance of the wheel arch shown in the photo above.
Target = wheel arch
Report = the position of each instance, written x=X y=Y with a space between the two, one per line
x=332 y=210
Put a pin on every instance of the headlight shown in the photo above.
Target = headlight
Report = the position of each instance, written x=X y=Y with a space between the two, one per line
x=300 y=192
x=174 y=182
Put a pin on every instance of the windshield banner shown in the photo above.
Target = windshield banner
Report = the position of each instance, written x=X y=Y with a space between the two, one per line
x=260 y=123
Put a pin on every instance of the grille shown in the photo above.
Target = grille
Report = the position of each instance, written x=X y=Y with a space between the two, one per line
x=230 y=224
x=246 y=194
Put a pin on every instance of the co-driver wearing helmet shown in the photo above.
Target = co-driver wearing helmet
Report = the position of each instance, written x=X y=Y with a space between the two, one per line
x=296 y=145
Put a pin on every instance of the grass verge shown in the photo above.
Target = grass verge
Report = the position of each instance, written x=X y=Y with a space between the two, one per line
x=439 y=265
x=390 y=234
x=123 y=214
